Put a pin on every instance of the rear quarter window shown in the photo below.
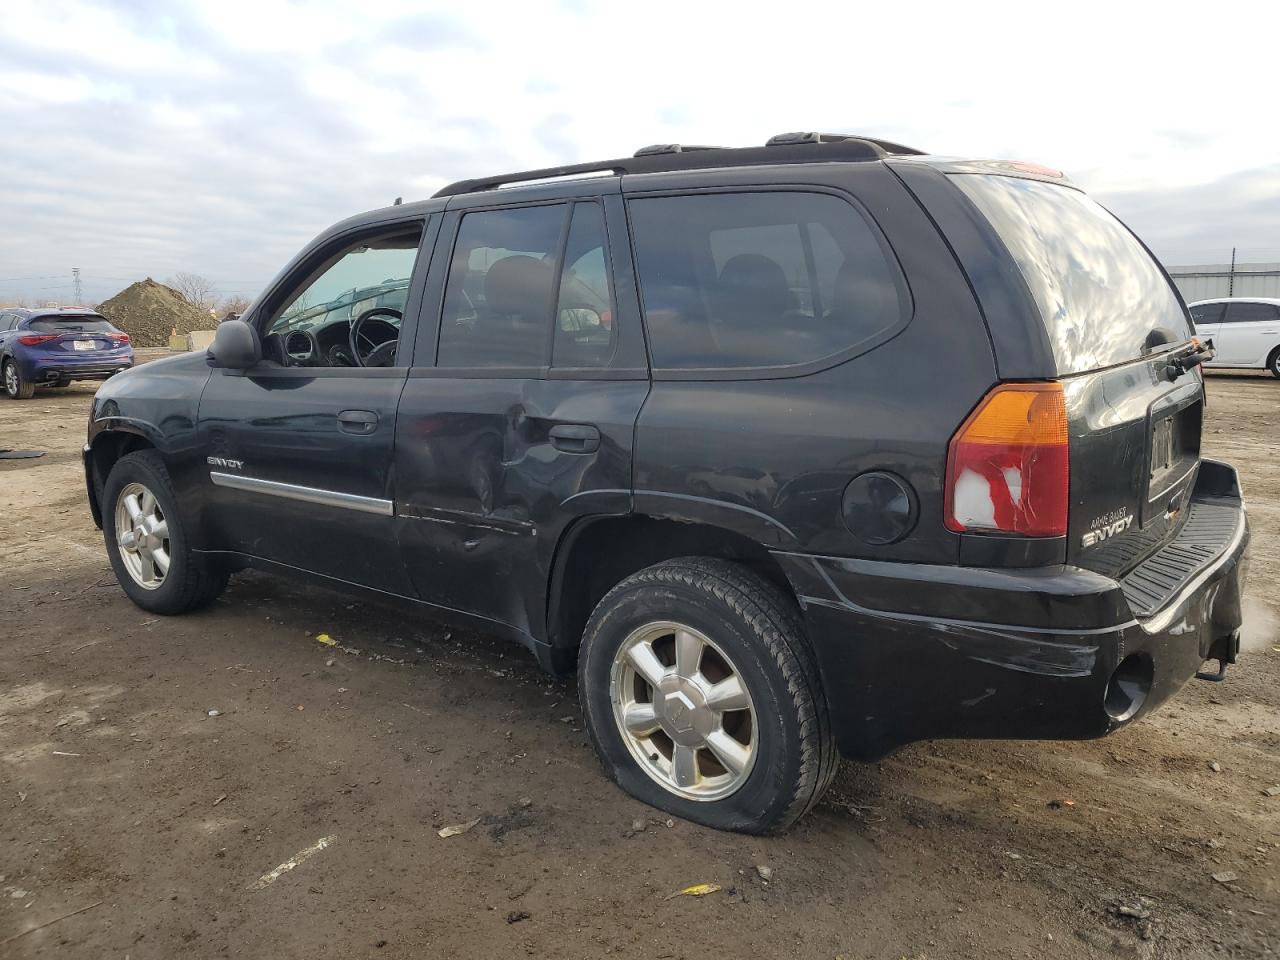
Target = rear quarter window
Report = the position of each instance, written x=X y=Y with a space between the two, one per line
x=761 y=279
x=1102 y=298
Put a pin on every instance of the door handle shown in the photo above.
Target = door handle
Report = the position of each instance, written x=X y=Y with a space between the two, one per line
x=575 y=438
x=359 y=422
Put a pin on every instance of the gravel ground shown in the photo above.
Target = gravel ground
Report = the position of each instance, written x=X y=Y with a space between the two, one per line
x=133 y=823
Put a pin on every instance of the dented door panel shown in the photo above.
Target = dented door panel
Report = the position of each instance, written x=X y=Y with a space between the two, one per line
x=484 y=491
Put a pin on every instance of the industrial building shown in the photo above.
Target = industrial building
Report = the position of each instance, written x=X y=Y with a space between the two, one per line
x=1213 y=280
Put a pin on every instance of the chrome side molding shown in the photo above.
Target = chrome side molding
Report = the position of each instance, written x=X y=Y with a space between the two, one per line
x=291 y=491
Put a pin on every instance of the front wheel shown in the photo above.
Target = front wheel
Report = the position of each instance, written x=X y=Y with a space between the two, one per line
x=148 y=546
x=1273 y=363
x=702 y=696
x=16 y=385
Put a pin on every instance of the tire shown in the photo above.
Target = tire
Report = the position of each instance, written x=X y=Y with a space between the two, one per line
x=15 y=384
x=187 y=581
x=1273 y=363
x=752 y=630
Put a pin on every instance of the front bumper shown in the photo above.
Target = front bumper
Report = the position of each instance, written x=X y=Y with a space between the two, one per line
x=91 y=485
x=911 y=652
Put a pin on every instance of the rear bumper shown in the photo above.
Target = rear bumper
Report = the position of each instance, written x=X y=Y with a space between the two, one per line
x=911 y=652
x=64 y=369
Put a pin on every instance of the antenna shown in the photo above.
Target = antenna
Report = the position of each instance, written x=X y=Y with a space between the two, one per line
x=75 y=279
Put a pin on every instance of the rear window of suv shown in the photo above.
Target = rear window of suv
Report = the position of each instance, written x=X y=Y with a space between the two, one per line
x=760 y=279
x=70 y=325
x=1103 y=298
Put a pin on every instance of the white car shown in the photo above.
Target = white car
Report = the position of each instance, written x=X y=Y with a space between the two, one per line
x=1245 y=331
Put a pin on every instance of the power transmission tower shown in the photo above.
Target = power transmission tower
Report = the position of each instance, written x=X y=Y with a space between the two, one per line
x=75 y=277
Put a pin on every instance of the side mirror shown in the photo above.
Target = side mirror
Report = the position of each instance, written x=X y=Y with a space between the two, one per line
x=236 y=346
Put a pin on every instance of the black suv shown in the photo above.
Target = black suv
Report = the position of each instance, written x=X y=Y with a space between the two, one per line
x=818 y=447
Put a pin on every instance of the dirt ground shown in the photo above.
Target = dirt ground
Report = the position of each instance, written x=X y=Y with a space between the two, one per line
x=134 y=824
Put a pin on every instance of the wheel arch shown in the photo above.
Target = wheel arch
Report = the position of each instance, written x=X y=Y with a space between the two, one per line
x=595 y=553
x=104 y=450
x=1270 y=362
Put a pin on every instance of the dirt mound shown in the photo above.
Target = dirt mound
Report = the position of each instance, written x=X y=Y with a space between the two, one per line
x=147 y=311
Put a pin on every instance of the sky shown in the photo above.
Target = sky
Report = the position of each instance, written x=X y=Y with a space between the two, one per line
x=147 y=138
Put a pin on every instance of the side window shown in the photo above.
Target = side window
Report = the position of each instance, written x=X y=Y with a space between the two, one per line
x=314 y=326
x=760 y=279
x=584 y=329
x=502 y=278
x=1207 y=313
x=1246 y=312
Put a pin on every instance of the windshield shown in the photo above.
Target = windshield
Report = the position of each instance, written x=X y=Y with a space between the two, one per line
x=1103 y=298
x=71 y=325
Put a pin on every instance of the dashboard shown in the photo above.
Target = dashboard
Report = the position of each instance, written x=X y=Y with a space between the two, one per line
x=330 y=345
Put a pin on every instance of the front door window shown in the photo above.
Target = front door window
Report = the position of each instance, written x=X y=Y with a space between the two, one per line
x=348 y=312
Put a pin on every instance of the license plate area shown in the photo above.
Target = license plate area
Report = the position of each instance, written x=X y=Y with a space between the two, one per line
x=1173 y=454
x=84 y=345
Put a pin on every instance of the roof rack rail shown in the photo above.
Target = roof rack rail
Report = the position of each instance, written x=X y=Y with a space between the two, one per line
x=681 y=157
x=658 y=149
x=888 y=146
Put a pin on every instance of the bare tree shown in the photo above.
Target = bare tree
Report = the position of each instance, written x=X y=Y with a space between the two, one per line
x=234 y=304
x=195 y=289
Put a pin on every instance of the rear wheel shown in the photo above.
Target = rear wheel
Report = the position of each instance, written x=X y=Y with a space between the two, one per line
x=1273 y=362
x=702 y=696
x=148 y=546
x=15 y=384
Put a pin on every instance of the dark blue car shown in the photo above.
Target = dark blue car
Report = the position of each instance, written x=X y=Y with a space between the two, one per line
x=53 y=346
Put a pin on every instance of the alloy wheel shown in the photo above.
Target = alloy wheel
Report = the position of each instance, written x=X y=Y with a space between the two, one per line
x=11 y=378
x=142 y=534
x=683 y=711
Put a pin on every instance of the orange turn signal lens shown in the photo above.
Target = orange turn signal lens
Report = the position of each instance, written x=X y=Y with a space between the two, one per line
x=1033 y=413
x=1008 y=465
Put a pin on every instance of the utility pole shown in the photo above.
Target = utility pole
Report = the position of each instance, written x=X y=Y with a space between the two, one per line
x=1231 y=277
x=75 y=279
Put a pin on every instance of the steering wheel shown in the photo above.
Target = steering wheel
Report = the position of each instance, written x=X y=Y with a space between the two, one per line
x=374 y=354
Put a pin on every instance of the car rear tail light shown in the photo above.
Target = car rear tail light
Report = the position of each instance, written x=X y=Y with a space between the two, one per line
x=32 y=339
x=1007 y=466
x=120 y=337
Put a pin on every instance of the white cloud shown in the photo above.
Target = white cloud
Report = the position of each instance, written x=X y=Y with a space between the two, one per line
x=218 y=137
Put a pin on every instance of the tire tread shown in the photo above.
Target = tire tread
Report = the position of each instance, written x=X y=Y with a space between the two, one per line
x=774 y=621
x=26 y=388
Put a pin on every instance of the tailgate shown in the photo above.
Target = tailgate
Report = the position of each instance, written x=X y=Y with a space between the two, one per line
x=1135 y=449
x=76 y=334
x=80 y=343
